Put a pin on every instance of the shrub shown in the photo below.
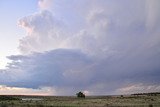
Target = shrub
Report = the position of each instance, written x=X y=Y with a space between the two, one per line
x=3 y=105
x=80 y=95
x=5 y=97
x=150 y=105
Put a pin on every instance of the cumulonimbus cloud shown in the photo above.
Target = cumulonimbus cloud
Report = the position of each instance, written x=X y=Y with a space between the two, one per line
x=101 y=47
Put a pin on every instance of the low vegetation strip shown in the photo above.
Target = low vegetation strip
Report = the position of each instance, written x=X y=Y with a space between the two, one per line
x=88 y=101
x=4 y=97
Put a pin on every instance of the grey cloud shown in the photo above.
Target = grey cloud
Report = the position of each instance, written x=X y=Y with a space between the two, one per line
x=104 y=46
x=54 y=68
x=73 y=70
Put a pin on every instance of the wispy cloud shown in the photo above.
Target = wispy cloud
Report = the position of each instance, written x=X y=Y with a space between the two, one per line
x=4 y=90
x=138 y=88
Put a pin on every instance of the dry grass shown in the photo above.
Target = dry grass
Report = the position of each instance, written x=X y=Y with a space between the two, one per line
x=94 y=101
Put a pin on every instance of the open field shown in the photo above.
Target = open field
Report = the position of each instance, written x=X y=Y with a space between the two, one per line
x=72 y=101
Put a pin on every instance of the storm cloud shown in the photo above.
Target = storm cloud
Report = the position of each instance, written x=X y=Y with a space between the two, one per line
x=98 y=46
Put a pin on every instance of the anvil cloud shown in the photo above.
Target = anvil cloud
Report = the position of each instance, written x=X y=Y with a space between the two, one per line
x=98 y=46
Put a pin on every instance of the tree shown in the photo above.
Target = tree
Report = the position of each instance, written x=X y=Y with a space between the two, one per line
x=80 y=95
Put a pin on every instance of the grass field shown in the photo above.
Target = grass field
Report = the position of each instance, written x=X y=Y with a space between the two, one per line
x=89 y=101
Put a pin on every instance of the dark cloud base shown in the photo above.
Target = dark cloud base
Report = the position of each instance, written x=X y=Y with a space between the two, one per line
x=103 y=47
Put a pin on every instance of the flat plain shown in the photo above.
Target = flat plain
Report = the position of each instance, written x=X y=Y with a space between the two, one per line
x=73 y=101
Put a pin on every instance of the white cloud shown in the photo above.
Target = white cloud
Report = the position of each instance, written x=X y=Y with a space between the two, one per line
x=45 y=4
x=4 y=90
x=138 y=88
x=44 y=32
x=99 y=46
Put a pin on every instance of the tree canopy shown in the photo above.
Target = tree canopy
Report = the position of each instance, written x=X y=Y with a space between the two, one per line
x=80 y=95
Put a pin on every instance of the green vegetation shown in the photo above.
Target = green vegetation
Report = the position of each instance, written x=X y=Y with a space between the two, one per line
x=5 y=97
x=80 y=95
x=142 y=100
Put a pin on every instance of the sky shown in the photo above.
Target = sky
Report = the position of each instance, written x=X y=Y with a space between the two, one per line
x=60 y=47
x=10 y=32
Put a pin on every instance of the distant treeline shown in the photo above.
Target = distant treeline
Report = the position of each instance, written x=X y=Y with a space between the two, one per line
x=149 y=94
x=5 y=97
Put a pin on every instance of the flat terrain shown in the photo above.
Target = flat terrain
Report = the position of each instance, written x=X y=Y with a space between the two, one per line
x=89 y=101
